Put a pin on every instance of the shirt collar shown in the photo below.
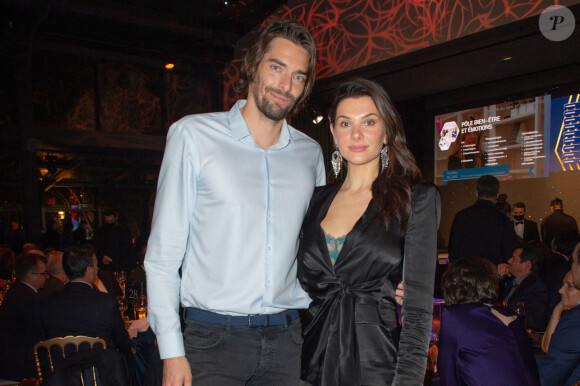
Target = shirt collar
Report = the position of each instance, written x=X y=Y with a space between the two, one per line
x=81 y=281
x=519 y=280
x=563 y=255
x=240 y=129
x=31 y=286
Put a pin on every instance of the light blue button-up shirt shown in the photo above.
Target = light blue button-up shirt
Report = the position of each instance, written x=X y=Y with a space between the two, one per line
x=228 y=212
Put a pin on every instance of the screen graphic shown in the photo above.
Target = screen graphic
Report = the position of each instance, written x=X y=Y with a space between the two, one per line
x=565 y=138
x=505 y=139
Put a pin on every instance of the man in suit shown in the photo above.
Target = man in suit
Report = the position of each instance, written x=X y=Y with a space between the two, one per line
x=526 y=230
x=80 y=309
x=481 y=230
x=20 y=324
x=526 y=286
x=557 y=222
x=80 y=235
x=557 y=265
x=57 y=278
x=114 y=244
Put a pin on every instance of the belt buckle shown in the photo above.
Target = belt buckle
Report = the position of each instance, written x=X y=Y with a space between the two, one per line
x=257 y=325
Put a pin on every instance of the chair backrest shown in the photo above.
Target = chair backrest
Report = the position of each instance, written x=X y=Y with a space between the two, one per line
x=62 y=343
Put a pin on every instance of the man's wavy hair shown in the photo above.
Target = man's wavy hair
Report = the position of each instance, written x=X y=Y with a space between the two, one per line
x=286 y=29
x=470 y=280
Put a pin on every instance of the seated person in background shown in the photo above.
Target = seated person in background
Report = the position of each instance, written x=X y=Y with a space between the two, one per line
x=481 y=344
x=526 y=287
x=20 y=325
x=562 y=364
x=557 y=265
x=526 y=230
x=31 y=247
x=56 y=278
x=6 y=268
x=80 y=309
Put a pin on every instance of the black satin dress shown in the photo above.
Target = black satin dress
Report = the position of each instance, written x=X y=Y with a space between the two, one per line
x=351 y=331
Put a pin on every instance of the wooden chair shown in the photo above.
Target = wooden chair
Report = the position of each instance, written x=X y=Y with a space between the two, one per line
x=62 y=343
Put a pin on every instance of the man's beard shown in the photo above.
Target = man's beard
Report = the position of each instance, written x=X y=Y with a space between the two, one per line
x=270 y=110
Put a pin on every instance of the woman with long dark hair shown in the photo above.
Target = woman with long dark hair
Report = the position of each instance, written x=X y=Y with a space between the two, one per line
x=360 y=238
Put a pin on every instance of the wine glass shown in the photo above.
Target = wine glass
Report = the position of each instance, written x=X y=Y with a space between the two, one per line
x=141 y=307
x=123 y=306
x=121 y=277
x=520 y=309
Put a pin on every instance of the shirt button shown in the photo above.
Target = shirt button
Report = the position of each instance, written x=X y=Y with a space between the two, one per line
x=269 y=249
x=268 y=282
x=269 y=215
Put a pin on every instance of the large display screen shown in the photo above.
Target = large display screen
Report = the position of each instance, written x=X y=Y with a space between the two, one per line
x=565 y=134
x=509 y=139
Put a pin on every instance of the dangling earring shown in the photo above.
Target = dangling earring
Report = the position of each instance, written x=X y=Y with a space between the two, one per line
x=336 y=161
x=384 y=158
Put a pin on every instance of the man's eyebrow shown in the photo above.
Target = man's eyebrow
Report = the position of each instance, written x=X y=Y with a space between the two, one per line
x=281 y=63
x=277 y=61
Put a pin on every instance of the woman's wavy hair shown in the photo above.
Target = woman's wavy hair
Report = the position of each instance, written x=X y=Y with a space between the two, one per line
x=286 y=29
x=392 y=188
x=470 y=280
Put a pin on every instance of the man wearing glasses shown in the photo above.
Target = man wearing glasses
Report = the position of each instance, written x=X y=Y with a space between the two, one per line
x=20 y=324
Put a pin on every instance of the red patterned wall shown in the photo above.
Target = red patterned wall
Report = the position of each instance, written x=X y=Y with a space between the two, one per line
x=353 y=33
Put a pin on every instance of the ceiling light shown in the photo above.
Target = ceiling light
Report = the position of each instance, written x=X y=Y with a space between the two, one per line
x=170 y=66
x=317 y=120
x=506 y=59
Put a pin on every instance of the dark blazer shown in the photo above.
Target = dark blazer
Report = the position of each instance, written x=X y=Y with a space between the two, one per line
x=555 y=268
x=481 y=230
x=20 y=329
x=351 y=330
x=556 y=223
x=51 y=286
x=533 y=293
x=562 y=364
x=477 y=348
x=530 y=231
x=114 y=240
x=80 y=309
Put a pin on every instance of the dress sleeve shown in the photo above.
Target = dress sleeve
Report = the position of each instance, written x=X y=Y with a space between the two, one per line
x=447 y=350
x=419 y=262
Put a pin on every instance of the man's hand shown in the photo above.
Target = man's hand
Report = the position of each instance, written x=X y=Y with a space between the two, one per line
x=503 y=269
x=176 y=372
x=399 y=292
x=106 y=260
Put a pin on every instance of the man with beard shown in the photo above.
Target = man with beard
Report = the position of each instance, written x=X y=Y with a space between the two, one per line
x=233 y=189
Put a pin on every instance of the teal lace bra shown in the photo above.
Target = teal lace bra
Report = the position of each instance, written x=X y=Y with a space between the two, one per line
x=334 y=245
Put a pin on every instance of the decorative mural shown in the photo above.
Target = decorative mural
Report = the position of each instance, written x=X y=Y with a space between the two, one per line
x=353 y=33
x=130 y=99
x=58 y=82
x=186 y=95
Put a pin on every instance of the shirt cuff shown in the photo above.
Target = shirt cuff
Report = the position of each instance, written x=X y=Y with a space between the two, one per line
x=171 y=345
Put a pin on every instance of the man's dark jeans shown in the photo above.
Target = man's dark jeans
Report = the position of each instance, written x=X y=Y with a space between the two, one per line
x=232 y=355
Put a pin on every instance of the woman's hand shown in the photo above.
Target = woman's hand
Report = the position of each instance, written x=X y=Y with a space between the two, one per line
x=552 y=323
x=399 y=292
